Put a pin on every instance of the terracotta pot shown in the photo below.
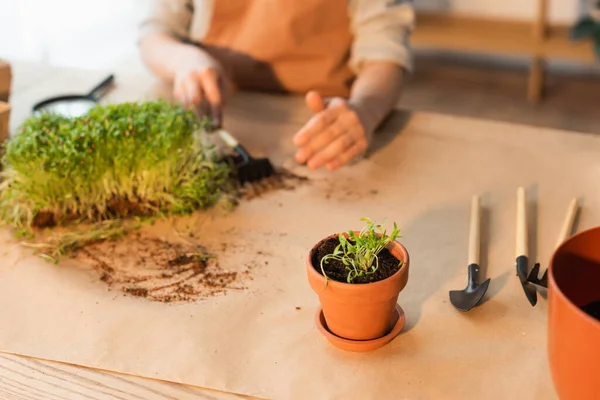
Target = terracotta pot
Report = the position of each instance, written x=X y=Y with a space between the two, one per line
x=573 y=335
x=359 y=311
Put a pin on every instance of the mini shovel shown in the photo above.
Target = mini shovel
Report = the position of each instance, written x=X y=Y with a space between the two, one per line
x=468 y=298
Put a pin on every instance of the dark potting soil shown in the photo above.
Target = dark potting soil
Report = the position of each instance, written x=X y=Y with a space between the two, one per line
x=336 y=270
x=44 y=219
x=115 y=208
x=593 y=309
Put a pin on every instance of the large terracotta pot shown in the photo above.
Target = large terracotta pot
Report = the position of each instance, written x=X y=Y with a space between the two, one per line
x=359 y=311
x=573 y=335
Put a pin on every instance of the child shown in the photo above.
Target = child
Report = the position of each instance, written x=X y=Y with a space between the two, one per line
x=347 y=57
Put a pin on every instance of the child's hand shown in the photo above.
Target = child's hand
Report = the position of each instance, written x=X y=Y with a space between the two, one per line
x=333 y=137
x=198 y=81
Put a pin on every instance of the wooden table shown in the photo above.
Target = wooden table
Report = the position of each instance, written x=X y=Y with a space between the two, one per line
x=30 y=379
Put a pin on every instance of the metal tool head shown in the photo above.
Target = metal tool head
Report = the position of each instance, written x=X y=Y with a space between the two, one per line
x=528 y=288
x=533 y=276
x=254 y=169
x=248 y=168
x=468 y=298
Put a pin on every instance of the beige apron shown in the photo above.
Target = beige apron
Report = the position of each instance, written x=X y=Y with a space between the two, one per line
x=288 y=46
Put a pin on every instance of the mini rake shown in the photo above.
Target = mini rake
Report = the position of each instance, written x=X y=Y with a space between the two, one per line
x=248 y=169
x=531 y=280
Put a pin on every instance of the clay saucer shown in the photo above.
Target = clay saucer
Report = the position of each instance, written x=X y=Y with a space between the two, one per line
x=361 y=346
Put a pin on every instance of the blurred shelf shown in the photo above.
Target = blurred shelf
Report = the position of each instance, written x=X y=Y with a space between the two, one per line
x=558 y=45
x=472 y=34
x=502 y=37
x=535 y=39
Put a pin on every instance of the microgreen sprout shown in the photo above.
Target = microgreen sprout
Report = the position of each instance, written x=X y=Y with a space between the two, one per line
x=359 y=252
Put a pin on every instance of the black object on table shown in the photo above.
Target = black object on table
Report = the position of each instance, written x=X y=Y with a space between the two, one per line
x=75 y=105
x=469 y=297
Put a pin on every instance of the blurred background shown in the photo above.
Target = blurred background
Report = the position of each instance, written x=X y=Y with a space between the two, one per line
x=71 y=33
x=508 y=60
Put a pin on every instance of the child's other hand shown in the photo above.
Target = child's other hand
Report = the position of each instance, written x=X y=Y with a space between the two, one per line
x=332 y=138
x=198 y=81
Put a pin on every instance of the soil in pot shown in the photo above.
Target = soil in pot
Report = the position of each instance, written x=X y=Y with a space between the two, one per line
x=593 y=309
x=336 y=270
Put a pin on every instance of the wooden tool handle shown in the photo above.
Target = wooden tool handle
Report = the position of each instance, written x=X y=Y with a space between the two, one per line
x=474 y=232
x=567 y=227
x=521 y=223
x=228 y=139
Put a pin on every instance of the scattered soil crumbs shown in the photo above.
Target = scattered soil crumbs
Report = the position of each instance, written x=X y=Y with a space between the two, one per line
x=283 y=179
x=336 y=270
x=347 y=190
x=160 y=270
x=593 y=309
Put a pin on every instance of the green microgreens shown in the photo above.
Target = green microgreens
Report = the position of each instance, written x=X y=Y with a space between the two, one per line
x=150 y=154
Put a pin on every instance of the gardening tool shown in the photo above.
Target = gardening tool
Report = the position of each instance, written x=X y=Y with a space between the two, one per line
x=468 y=298
x=565 y=232
x=249 y=169
x=530 y=279
x=75 y=105
x=522 y=260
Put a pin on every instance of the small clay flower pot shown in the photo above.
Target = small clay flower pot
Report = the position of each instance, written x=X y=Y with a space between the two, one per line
x=574 y=335
x=359 y=311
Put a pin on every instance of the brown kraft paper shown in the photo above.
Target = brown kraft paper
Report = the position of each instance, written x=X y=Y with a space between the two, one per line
x=261 y=341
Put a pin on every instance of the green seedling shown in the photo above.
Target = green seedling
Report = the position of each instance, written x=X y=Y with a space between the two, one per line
x=359 y=252
x=148 y=156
